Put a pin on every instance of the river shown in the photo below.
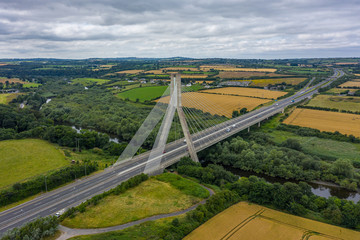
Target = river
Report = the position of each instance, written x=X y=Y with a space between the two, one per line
x=318 y=189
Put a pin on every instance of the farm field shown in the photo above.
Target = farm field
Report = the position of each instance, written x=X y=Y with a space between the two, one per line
x=89 y=81
x=344 y=123
x=234 y=68
x=266 y=82
x=155 y=196
x=193 y=76
x=321 y=147
x=14 y=80
x=248 y=92
x=27 y=158
x=5 y=98
x=135 y=71
x=202 y=81
x=154 y=71
x=339 y=90
x=170 y=69
x=143 y=93
x=357 y=74
x=251 y=221
x=351 y=84
x=338 y=102
x=248 y=74
x=220 y=104
x=31 y=85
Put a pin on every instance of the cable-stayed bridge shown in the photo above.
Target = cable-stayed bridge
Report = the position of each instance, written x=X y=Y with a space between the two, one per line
x=205 y=133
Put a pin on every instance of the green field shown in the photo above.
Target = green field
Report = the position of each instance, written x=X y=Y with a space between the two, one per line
x=143 y=93
x=5 y=98
x=148 y=230
x=338 y=90
x=89 y=81
x=162 y=194
x=26 y=158
x=322 y=147
x=31 y=85
x=338 y=102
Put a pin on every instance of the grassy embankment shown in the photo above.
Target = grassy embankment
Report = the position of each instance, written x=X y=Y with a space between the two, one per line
x=26 y=158
x=161 y=194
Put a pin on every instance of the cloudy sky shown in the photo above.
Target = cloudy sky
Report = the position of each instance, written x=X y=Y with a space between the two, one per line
x=168 y=28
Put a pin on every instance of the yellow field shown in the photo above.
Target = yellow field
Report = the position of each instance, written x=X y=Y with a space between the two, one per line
x=154 y=72
x=193 y=76
x=203 y=81
x=351 y=84
x=217 y=104
x=235 y=75
x=180 y=69
x=231 y=68
x=14 y=80
x=130 y=71
x=326 y=121
x=107 y=66
x=245 y=221
x=357 y=74
x=347 y=63
x=265 y=82
x=249 y=92
x=5 y=98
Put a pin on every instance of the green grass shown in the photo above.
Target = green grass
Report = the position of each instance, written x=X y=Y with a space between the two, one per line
x=338 y=102
x=143 y=93
x=5 y=98
x=89 y=81
x=151 y=197
x=26 y=158
x=148 y=230
x=337 y=90
x=322 y=147
x=194 y=87
x=31 y=85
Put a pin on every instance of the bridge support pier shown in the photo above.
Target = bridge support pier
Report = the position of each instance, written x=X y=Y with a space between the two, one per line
x=248 y=129
x=259 y=124
x=283 y=110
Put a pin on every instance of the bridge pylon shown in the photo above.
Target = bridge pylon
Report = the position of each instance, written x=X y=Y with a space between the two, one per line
x=176 y=83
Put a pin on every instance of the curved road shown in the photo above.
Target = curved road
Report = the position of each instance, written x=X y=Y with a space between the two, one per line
x=82 y=189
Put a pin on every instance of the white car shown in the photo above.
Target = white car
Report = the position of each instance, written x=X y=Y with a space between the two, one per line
x=228 y=129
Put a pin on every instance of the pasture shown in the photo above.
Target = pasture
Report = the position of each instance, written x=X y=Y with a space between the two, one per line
x=231 y=68
x=251 y=221
x=248 y=92
x=89 y=81
x=218 y=104
x=158 y=195
x=11 y=80
x=154 y=72
x=143 y=93
x=234 y=75
x=31 y=85
x=5 y=98
x=344 y=123
x=27 y=158
x=266 y=82
x=339 y=90
x=174 y=69
x=134 y=71
x=338 y=102
x=353 y=83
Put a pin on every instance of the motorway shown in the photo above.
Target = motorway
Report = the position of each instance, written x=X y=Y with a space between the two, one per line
x=82 y=189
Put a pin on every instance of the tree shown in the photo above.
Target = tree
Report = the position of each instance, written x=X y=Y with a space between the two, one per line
x=343 y=167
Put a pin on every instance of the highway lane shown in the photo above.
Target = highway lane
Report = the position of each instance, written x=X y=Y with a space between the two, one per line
x=75 y=193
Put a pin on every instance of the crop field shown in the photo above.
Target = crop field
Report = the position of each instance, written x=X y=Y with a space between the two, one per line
x=154 y=71
x=357 y=74
x=251 y=221
x=151 y=197
x=202 y=81
x=326 y=121
x=339 y=90
x=27 y=158
x=193 y=76
x=353 y=83
x=218 y=104
x=89 y=81
x=14 y=80
x=5 y=98
x=172 y=69
x=135 y=71
x=143 y=93
x=230 y=68
x=31 y=85
x=234 y=75
x=248 y=92
x=338 y=102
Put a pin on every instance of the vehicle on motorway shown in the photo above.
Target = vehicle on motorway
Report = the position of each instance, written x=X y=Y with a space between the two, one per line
x=184 y=140
x=234 y=125
x=292 y=100
x=59 y=213
x=228 y=129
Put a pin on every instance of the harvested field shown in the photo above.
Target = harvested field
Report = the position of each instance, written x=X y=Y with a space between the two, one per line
x=248 y=92
x=174 y=69
x=326 y=121
x=357 y=74
x=338 y=102
x=193 y=76
x=202 y=81
x=135 y=71
x=251 y=221
x=353 y=83
x=347 y=63
x=231 y=68
x=220 y=104
x=14 y=80
x=234 y=75
x=154 y=72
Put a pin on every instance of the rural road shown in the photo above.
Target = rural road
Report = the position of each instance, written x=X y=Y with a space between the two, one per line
x=75 y=193
x=72 y=232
